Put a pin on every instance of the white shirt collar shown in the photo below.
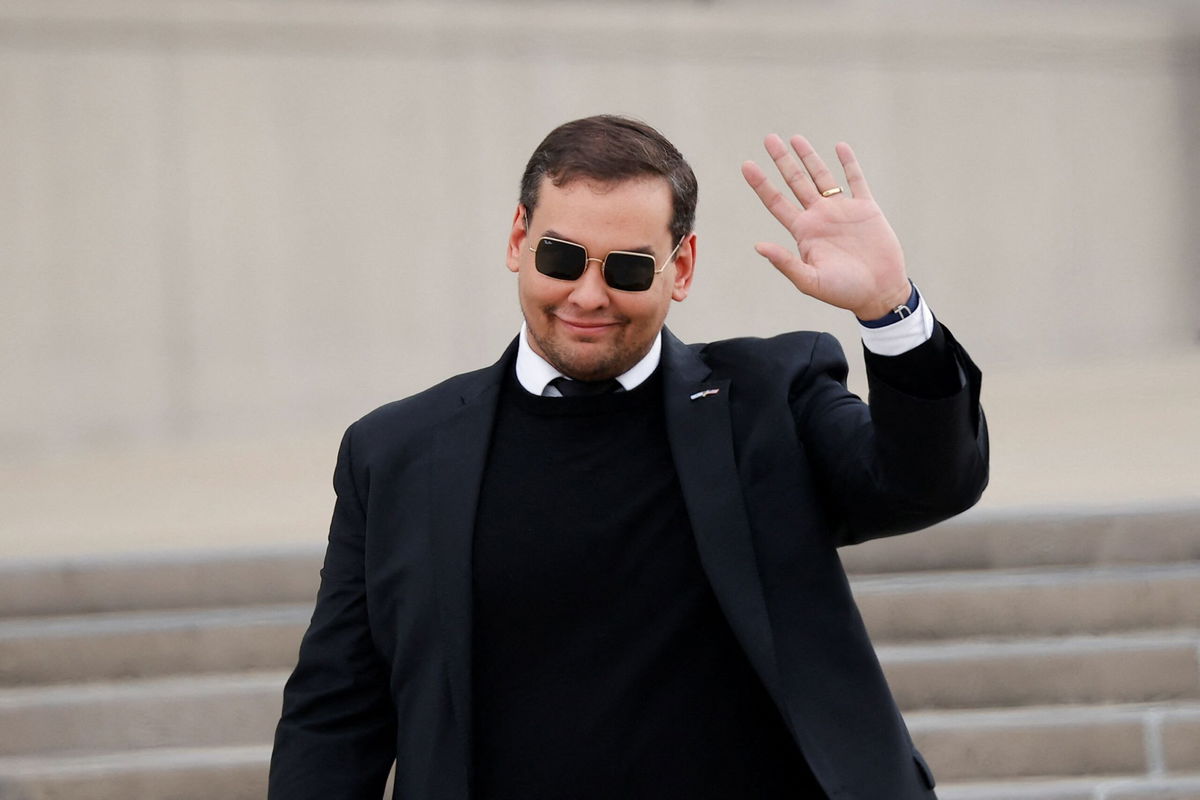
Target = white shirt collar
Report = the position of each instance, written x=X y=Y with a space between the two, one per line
x=535 y=373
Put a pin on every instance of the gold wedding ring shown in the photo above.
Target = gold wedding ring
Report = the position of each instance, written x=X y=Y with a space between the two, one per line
x=831 y=192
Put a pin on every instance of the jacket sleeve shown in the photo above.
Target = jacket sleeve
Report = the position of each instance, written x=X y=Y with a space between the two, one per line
x=912 y=457
x=336 y=737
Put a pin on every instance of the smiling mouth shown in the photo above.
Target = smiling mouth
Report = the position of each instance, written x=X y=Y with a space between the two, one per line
x=587 y=325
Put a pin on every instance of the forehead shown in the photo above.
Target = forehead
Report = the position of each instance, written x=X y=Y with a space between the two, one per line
x=635 y=207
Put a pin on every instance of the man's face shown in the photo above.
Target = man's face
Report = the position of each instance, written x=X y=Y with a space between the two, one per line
x=585 y=328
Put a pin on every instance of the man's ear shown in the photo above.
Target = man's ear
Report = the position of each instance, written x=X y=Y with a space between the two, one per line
x=685 y=268
x=516 y=239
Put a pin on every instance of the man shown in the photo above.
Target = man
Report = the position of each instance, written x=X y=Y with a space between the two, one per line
x=605 y=566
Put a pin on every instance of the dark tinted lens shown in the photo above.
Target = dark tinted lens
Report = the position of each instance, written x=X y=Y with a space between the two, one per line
x=561 y=260
x=629 y=272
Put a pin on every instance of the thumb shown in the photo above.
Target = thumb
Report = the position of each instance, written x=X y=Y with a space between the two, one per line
x=802 y=275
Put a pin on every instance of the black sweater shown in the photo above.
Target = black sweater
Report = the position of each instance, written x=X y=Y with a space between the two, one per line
x=602 y=665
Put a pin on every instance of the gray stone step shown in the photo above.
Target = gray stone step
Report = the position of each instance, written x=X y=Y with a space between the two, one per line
x=139 y=644
x=977 y=541
x=1059 y=741
x=192 y=711
x=1029 y=602
x=32 y=587
x=906 y=608
x=1126 y=752
x=239 y=773
x=227 y=773
x=1130 y=668
x=1007 y=540
x=1158 y=787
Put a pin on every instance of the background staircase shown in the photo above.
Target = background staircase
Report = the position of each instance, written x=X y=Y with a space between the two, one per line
x=1055 y=658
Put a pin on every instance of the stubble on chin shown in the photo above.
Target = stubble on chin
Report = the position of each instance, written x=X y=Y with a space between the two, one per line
x=583 y=359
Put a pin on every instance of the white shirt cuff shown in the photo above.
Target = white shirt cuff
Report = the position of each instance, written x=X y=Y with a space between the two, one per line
x=901 y=336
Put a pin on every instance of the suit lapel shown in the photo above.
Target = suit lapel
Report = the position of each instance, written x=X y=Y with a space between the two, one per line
x=700 y=432
x=459 y=455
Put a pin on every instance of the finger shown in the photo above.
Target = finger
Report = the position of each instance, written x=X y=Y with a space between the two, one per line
x=854 y=174
x=772 y=198
x=802 y=275
x=821 y=176
x=795 y=175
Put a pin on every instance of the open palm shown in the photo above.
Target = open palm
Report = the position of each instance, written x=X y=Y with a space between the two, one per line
x=846 y=253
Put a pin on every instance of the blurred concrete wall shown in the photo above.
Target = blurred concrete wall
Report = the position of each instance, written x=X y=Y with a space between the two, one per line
x=222 y=219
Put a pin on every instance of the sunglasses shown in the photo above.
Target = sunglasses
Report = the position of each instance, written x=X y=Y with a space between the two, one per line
x=622 y=270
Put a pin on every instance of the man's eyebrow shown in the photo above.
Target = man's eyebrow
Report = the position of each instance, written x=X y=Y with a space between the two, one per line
x=644 y=249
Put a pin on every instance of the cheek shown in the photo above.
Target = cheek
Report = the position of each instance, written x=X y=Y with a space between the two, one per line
x=653 y=308
x=532 y=291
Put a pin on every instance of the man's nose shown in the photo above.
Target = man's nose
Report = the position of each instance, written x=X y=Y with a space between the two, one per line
x=590 y=290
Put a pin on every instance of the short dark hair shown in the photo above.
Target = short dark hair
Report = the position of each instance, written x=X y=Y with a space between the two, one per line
x=609 y=148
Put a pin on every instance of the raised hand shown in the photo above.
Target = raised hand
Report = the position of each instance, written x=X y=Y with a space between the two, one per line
x=846 y=252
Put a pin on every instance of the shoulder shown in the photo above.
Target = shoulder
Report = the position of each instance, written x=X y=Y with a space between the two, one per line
x=427 y=406
x=784 y=356
x=400 y=420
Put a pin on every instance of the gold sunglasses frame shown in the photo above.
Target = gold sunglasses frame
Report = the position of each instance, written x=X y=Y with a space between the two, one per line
x=586 y=259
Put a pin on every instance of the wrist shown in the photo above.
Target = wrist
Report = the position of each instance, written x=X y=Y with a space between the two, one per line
x=898 y=304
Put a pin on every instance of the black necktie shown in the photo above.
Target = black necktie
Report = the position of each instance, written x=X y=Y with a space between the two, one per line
x=570 y=388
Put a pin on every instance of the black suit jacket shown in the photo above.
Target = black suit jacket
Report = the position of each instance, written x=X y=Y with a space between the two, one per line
x=779 y=466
